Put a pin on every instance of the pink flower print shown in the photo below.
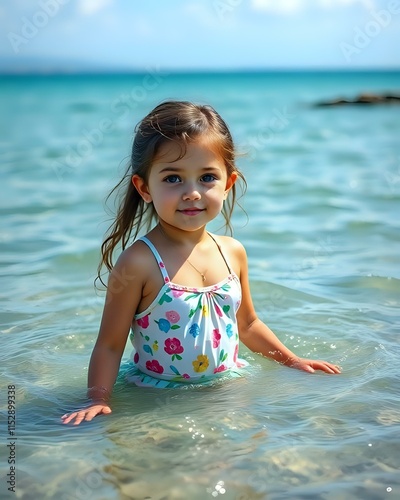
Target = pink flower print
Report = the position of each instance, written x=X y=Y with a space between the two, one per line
x=143 y=322
x=166 y=279
x=216 y=338
x=165 y=324
x=136 y=357
x=185 y=375
x=235 y=354
x=154 y=366
x=173 y=346
x=172 y=316
x=220 y=369
x=177 y=293
x=161 y=264
x=218 y=311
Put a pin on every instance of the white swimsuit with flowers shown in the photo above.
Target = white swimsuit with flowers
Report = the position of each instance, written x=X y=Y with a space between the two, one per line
x=187 y=334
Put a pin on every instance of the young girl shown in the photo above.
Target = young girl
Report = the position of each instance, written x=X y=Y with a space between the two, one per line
x=183 y=291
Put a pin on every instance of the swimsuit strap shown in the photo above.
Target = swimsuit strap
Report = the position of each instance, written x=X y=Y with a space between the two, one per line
x=157 y=256
x=220 y=251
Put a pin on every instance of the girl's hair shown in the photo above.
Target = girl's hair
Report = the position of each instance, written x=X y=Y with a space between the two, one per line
x=181 y=122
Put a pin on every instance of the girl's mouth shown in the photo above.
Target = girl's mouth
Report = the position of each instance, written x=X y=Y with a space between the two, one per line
x=191 y=211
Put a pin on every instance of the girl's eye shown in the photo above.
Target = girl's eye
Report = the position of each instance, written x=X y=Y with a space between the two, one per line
x=208 y=178
x=172 y=179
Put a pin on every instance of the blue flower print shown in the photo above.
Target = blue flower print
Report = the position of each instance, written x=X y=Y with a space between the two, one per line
x=229 y=331
x=194 y=330
x=164 y=325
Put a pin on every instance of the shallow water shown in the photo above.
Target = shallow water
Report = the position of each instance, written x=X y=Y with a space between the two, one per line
x=322 y=235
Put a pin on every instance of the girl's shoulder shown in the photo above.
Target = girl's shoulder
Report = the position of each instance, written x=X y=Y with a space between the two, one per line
x=230 y=245
x=137 y=258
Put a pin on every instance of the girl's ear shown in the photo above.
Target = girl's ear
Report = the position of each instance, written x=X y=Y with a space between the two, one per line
x=229 y=183
x=141 y=188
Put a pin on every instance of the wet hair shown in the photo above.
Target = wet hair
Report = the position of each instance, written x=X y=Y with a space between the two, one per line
x=183 y=123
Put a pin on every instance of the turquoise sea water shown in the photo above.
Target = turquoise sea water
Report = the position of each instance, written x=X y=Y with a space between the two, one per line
x=322 y=237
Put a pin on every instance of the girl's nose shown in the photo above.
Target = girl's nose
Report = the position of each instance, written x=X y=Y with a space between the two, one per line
x=191 y=193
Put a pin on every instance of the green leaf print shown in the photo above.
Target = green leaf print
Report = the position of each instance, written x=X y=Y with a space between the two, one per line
x=222 y=355
x=191 y=296
x=176 y=356
x=199 y=306
x=175 y=327
x=165 y=298
x=226 y=287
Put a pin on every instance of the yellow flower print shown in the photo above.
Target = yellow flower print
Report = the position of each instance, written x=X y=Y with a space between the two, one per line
x=201 y=363
x=205 y=311
x=155 y=346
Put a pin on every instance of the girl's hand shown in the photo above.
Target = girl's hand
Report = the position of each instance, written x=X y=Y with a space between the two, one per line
x=310 y=365
x=86 y=414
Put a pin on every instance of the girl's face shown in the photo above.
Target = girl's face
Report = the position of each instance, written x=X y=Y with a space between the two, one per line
x=187 y=193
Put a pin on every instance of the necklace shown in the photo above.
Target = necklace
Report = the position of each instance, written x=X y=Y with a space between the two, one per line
x=203 y=276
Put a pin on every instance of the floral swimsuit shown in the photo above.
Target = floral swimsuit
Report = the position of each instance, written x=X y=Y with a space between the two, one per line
x=187 y=335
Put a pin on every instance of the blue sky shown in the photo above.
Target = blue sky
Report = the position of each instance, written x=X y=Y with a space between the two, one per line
x=200 y=34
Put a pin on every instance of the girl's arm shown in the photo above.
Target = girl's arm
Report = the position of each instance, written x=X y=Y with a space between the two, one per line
x=259 y=338
x=124 y=290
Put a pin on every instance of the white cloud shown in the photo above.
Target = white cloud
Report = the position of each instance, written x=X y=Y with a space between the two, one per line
x=89 y=7
x=294 y=6
x=368 y=4
x=283 y=7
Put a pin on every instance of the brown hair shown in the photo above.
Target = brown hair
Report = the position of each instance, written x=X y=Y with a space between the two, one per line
x=181 y=122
